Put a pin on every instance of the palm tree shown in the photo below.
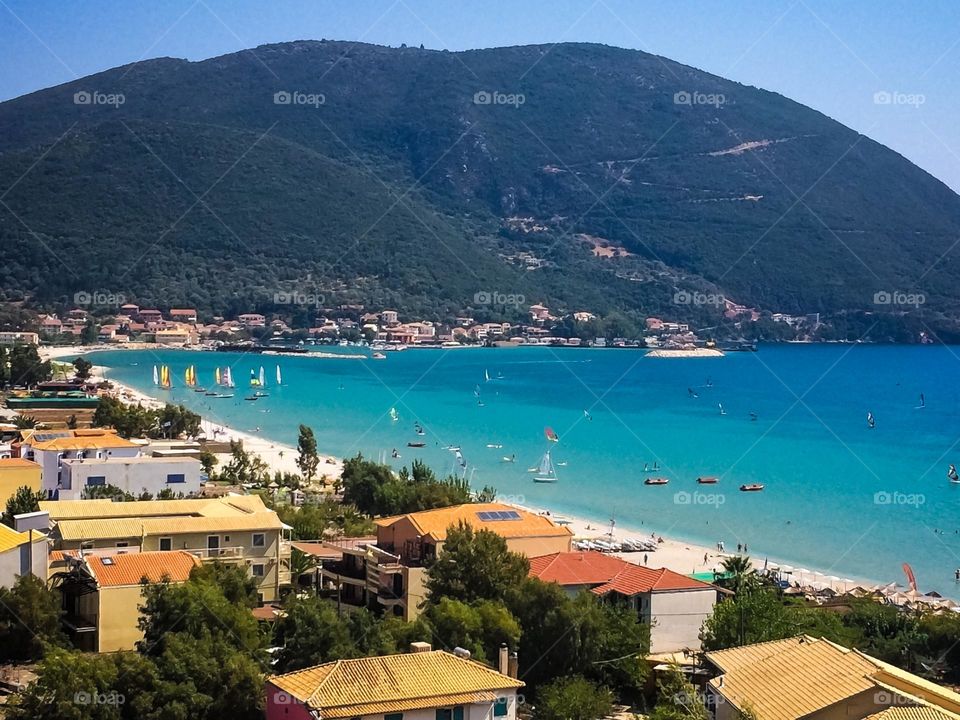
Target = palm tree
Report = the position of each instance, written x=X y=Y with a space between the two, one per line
x=741 y=572
x=300 y=564
x=24 y=422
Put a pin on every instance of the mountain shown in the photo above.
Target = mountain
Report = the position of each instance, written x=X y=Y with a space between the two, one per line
x=583 y=176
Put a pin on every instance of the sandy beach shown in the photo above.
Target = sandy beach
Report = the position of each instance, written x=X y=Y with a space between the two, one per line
x=278 y=456
x=678 y=555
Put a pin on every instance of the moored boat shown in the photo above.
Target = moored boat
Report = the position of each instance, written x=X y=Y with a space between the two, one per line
x=751 y=487
x=709 y=480
x=656 y=481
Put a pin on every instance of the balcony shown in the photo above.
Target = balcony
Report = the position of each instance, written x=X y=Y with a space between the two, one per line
x=225 y=553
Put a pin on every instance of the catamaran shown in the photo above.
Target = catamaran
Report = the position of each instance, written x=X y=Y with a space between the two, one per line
x=545 y=472
x=394 y=415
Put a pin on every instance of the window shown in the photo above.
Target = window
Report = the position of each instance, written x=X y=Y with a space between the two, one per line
x=258 y=570
x=213 y=542
x=166 y=543
x=176 y=478
x=501 y=706
x=94 y=480
x=259 y=540
x=393 y=716
x=123 y=543
x=86 y=545
x=450 y=713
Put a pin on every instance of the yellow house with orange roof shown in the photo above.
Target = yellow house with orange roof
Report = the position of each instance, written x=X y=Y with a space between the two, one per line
x=102 y=594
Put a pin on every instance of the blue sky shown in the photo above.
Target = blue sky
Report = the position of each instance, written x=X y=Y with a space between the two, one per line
x=833 y=56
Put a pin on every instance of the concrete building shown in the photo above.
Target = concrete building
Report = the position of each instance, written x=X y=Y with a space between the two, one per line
x=135 y=475
x=16 y=473
x=424 y=684
x=102 y=594
x=236 y=529
x=22 y=553
x=673 y=605
x=50 y=450
x=807 y=677
x=19 y=338
x=418 y=537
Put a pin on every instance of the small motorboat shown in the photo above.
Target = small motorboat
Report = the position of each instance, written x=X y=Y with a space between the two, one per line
x=656 y=481
x=416 y=444
x=379 y=356
x=751 y=487
x=709 y=480
x=223 y=395
x=260 y=394
x=199 y=390
x=251 y=397
x=494 y=445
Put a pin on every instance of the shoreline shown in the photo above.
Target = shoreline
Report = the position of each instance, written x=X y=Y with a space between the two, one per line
x=687 y=557
x=277 y=455
x=677 y=554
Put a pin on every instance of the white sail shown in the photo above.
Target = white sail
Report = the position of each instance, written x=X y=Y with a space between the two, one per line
x=486 y=376
x=546 y=465
x=279 y=378
x=262 y=377
x=394 y=415
x=156 y=375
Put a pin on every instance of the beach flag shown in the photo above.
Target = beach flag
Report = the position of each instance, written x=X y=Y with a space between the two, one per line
x=551 y=435
x=911 y=578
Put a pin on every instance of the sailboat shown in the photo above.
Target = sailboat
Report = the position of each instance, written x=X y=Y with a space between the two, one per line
x=545 y=472
x=188 y=376
x=279 y=377
x=228 y=377
x=394 y=415
x=156 y=375
x=165 y=377
x=217 y=377
x=254 y=381
x=263 y=382
x=486 y=376
x=871 y=422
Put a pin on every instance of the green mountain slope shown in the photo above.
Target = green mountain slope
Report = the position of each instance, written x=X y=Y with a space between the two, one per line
x=738 y=191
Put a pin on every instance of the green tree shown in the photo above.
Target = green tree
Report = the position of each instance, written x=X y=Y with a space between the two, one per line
x=208 y=461
x=29 y=619
x=111 y=492
x=25 y=422
x=677 y=698
x=480 y=627
x=311 y=633
x=26 y=368
x=475 y=565
x=4 y=367
x=741 y=573
x=573 y=698
x=751 y=617
x=90 y=334
x=308 y=460
x=24 y=500
x=83 y=368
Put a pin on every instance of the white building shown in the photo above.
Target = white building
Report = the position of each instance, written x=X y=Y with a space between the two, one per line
x=49 y=450
x=673 y=605
x=135 y=475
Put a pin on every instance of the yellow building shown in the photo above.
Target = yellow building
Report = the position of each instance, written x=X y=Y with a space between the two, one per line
x=390 y=572
x=807 y=677
x=103 y=594
x=16 y=473
x=235 y=529
x=420 y=536
x=22 y=553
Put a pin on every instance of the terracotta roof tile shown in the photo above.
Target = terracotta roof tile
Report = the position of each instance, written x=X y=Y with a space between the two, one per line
x=436 y=522
x=130 y=568
x=609 y=573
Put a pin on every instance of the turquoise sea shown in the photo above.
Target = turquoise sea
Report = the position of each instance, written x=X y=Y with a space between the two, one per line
x=840 y=497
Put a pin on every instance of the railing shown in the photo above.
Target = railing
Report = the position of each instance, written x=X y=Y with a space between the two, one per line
x=225 y=553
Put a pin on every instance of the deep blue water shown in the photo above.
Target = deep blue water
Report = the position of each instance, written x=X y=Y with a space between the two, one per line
x=841 y=497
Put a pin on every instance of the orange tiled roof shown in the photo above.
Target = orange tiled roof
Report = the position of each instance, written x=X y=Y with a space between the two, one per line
x=434 y=523
x=130 y=568
x=17 y=463
x=608 y=574
x=393 y=683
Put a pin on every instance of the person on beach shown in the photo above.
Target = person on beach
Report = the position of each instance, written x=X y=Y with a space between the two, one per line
x=645 y=560
x=739 y=547
x=705 y=558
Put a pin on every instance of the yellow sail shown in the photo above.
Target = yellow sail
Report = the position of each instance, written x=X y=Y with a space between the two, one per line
x=217 y=376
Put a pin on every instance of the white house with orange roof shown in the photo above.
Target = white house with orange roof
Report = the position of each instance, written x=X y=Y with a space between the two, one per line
x=673 y=605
